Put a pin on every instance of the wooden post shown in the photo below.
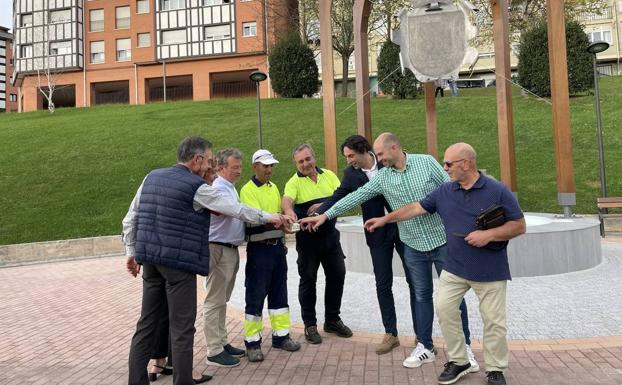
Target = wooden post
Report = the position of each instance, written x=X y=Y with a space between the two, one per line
x=503 y=72
x=362 y=8
x=430 y=119
x=328 y=86
x=562 y=135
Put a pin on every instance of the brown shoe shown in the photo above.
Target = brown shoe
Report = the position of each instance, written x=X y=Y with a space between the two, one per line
x=388 y=343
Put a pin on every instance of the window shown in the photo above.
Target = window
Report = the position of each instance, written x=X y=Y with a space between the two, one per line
x=144 y=40
x=97 y=52
x=218 y=32
x=212 y=2
x=122 y=20
x=174 y=36
x=142 y=6
x=124 y=51
x=602 y=35
x=351 y=64
x=96 y=20
x=60 y=47
x=167 y=5
x=60 y=16
x=26 y=20
x=25 y=51
x=12 y=98
x=249 y=29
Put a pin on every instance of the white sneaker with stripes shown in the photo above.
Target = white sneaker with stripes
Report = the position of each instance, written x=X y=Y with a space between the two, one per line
x=419 y=356
x=474 y=365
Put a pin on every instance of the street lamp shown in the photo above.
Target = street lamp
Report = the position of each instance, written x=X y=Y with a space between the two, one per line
x=258 y=76
x=594 y=48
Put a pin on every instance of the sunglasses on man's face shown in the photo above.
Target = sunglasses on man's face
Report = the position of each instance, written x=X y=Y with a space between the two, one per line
x=449 y=164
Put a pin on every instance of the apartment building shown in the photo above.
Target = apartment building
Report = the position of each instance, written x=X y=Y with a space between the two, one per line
x=605 y=26
x=141 y=51
x=8 y=94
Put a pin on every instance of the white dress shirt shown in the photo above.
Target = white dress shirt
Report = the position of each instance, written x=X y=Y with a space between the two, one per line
x=224 y=228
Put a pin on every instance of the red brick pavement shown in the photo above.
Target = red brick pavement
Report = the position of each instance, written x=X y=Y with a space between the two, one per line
x=71 y=323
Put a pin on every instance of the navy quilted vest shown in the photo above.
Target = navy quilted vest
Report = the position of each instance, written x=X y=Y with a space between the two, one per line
x=169 y=231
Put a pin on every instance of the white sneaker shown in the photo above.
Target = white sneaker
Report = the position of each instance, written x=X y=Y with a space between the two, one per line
x=474 y=365
x=419 y=356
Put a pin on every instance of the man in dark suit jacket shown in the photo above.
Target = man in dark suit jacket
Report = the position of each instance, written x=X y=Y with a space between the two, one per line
x=362 y=166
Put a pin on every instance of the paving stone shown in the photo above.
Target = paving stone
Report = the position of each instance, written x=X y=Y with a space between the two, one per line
x=71 y=323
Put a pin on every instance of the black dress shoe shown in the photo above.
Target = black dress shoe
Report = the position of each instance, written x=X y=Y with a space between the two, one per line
x=153 y=376
x=204 y=378
x=338 y=328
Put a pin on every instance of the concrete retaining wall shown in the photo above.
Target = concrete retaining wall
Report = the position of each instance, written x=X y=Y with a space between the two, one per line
x=57 y=250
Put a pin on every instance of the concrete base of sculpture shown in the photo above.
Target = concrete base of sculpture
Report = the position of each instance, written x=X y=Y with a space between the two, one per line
x=551 y=245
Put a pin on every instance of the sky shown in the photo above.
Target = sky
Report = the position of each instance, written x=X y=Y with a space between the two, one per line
x=6 y=13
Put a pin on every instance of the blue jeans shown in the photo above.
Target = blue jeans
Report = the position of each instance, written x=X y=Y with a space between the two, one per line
x=382 y=260
x=419 y=265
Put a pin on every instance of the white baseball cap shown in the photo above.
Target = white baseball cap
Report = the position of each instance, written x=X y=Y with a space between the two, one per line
x=264 y=156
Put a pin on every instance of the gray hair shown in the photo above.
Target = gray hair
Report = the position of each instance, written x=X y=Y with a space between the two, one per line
x=222 y=157
x=301 y=147
x=191 y=146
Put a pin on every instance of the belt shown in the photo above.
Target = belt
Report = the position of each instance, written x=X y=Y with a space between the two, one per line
x=229 y=245
x=271 y=242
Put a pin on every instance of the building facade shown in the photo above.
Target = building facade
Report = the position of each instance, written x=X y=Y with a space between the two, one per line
x=140 y=51
x=605 y=26
x=8 y=93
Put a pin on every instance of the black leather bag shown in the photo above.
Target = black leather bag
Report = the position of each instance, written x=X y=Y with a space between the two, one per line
x=493 y=216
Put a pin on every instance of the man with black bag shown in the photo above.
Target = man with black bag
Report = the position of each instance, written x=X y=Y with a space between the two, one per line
x=470 y=206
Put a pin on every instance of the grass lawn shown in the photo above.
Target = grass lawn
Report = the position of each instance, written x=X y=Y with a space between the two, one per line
x=73 y=174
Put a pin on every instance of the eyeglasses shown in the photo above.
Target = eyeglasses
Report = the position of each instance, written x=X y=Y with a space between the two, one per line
x=449 y=164
x=209 y=160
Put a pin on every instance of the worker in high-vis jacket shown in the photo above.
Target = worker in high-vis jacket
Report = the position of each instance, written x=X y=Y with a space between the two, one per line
x=304 y=193
x=266 y=264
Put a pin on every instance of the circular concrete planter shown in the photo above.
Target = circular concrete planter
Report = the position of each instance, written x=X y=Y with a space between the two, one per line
x=551 y=245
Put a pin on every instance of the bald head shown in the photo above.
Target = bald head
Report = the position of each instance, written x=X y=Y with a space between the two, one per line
x=388 y=149
x=460 y=162
x=463 y=151
x=387 y=139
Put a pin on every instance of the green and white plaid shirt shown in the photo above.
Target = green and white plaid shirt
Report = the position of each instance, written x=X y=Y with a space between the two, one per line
x=422 y=175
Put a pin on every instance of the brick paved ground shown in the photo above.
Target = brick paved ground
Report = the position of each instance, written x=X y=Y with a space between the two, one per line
x=71 y=323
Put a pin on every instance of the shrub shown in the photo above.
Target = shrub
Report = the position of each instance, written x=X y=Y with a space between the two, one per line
x=533 y=60
x=392 y=82
x=293 y=70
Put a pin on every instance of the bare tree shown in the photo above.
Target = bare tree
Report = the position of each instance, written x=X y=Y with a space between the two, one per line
x=48 y=63
x=523 y=13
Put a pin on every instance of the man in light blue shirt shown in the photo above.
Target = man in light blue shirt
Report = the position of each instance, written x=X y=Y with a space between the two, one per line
x=226 y=234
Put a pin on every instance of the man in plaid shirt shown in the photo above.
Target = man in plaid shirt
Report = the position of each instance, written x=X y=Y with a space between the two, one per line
x=407 y=178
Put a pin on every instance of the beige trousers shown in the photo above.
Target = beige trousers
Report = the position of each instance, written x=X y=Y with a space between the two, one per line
x=223 y=266
x=491 y=297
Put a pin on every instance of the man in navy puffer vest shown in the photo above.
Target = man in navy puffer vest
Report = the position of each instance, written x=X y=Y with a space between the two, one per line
x=166 y=230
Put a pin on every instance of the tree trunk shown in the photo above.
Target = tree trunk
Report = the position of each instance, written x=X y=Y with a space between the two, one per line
x=344 y=78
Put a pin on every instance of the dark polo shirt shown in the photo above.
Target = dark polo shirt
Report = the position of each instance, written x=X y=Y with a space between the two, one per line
x=458 y=209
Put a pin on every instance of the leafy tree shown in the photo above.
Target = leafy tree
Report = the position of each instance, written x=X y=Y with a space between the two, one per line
x=533 y=60
x=293 y=70
x=391 y=81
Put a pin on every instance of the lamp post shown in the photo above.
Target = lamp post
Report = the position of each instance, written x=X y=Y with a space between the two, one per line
x=258 y=76
x=594 y=48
